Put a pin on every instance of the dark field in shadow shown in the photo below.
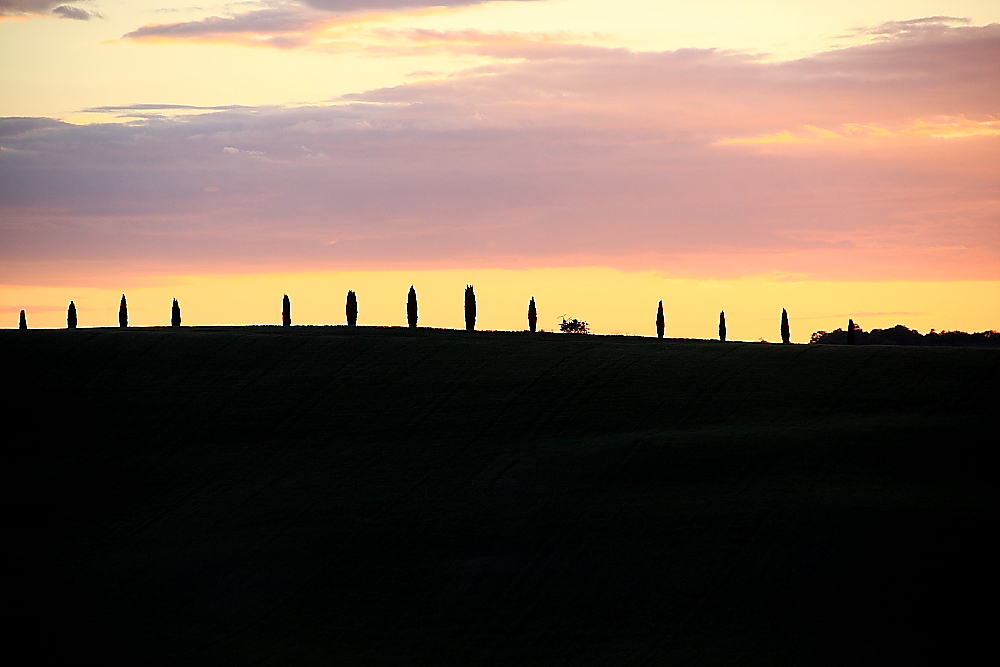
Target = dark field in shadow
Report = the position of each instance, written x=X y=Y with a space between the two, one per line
x=422 y=497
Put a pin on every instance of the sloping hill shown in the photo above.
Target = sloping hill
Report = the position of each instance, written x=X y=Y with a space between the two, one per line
x=396 y=497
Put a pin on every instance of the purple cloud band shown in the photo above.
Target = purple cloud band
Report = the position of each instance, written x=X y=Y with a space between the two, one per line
x=608 y=154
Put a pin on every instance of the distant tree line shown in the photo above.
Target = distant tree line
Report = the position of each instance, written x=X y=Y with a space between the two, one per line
x=853 y=335
x=901 y=335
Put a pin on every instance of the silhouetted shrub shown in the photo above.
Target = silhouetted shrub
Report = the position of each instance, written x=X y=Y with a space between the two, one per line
x=722 y=326
x=71 y=316
x=660 y=322
x=175 y=314
x=786 y=332
x=22 y=322
x=286 y=312
x=352 y=309
x=470 y=308
x=532 y=316
x=411 y=308
x=902 y=335
x=123 y=313
x=574 y=326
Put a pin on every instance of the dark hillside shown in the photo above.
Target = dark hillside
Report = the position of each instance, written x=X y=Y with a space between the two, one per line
x=322 y=495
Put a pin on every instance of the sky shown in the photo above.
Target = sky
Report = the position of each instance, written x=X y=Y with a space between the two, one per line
x=839 y=159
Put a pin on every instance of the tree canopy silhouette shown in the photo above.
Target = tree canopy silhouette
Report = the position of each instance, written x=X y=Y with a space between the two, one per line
x=470 y=308
x=532 y=316
x=286 y=312
x=722 y=326
x=660 y=323
x=786 y=332
x=352 y=309
x=71 y=316
x=123 y=313
x=22 y=321
x=411 y=308
x=175 y=314
x=574 y=326
x=902 y=335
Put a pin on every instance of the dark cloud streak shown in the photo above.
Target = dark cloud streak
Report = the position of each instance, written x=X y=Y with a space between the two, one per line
x=58 y=8
x=75 y=13
x=280 y=21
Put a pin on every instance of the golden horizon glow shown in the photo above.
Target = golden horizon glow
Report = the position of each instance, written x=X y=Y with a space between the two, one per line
x=612 y=301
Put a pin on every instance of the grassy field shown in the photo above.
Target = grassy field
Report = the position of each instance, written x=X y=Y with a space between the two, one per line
x=394 y=497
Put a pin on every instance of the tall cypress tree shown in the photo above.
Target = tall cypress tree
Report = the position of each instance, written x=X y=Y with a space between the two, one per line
x=660 y=322
x=22 y=322
x=786 y=333
x=123 y=314
x=71 y=316
x=850 y=332
x=352 y=309
x=470 y=308
x=286 y=312
x=411 y=308
x=175 y=314
x=722 y=326
x=532 y=316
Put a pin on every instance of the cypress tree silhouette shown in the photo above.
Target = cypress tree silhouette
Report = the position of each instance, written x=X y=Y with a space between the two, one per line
x=722 y=326
x=175 y=314
x=286 y=312
x=352 y=309
x=532 y=316
x=411 y=308
x=786 y=333
x=660 y=323
x=850 y=332
x=123 y=314
x=470 y=308
x=71 y=316
x=22 y=322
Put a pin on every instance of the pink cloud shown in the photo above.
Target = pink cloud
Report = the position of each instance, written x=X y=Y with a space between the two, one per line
x=667 y=161
x=57 y=8
x=280 y=23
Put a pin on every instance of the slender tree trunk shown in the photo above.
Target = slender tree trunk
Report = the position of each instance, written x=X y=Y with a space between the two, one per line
x=722 y=326
x=286 y=312
x=660 y=322
x=411 y=308
x=470 y=308
x=532 y=316
x=352 y=309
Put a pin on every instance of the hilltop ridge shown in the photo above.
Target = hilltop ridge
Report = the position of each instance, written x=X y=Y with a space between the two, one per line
x=394 y=496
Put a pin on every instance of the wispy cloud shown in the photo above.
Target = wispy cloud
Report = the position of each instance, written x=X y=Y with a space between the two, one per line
x=299 y=26
x=912 y=28
x=941 y=127
x=57 y=8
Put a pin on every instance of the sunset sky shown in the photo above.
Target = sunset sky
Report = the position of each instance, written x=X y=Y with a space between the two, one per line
x=839 y=159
